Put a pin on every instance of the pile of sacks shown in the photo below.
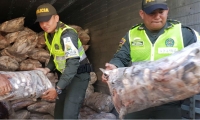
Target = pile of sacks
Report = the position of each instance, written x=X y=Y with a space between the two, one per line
x=95 y=106
x=22 y=49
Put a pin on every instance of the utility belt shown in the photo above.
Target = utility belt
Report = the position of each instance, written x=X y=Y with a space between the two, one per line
x=85 y=68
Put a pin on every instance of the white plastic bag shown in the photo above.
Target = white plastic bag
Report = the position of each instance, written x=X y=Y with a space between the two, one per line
x=150 y=84
x=26 y=84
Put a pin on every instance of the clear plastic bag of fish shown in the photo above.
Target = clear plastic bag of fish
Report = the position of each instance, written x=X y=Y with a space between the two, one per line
x=26 y=84
x=149 y=84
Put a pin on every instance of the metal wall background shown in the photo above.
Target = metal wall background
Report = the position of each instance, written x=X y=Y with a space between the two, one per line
x=186 y=11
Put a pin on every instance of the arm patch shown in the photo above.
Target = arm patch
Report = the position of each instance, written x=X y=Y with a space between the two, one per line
x=121 y=43
x=69 y=48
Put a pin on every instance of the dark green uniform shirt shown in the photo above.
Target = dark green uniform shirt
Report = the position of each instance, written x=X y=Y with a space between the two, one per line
x=72 y=64
x=122 y=56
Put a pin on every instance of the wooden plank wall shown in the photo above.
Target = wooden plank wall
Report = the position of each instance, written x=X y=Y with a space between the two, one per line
x=109 y=20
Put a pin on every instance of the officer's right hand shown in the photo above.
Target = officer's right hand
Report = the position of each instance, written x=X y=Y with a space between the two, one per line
x=5 y=85
x=108 y=67
x=44 y=70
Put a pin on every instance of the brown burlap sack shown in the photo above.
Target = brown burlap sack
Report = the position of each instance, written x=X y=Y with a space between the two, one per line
x=11 y=37
x=93 y=78
x=21 y=115
x=89 y=90
x=41 y=40
x=8 y=64
x=77 y=28
x=42 y=107
x=21 y=103
x=18 y=58
x=84 y=37
x=39 y=54
x=86 y=47
x=29 y=64
x=13 y=25
x=23 y=44
x=99 y=102
x=3 y=42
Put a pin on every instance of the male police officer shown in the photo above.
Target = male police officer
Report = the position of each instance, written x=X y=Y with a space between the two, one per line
x=155 y=38
x=69 y=59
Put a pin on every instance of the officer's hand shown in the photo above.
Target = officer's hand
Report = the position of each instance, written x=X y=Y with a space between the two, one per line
x=108 y=67
x=50 y=94
x=44 y=70
x=5 y=86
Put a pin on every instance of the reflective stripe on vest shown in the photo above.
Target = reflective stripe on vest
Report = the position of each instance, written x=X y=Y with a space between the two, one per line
x=141 y=48
x=56 y=49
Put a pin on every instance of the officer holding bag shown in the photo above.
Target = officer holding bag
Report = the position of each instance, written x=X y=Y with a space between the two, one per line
x=69 y=59
x=155 y=38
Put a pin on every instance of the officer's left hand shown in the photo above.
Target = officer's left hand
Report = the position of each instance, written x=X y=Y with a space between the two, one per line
x=108 y=67
x=50 y=94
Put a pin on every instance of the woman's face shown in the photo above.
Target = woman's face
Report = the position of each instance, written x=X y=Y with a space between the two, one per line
x=50 y=26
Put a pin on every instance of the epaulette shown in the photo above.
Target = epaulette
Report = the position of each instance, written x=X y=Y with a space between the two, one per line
x=62 y=25
x=173 y=21
x=137 y=26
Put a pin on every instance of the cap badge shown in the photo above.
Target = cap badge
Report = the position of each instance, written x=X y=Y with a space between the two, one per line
x=149 y=1
x=42 y=10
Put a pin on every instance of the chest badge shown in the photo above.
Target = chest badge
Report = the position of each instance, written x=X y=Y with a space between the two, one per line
x=169 y=42
x=137 y=42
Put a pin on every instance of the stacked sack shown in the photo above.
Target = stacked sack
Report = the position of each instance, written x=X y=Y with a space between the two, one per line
x=83 y=36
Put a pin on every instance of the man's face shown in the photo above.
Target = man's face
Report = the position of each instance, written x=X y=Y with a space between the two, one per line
x=50 y=26
x=155 y=20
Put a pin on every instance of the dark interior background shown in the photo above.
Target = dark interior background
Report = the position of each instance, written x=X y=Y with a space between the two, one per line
x=107 y=20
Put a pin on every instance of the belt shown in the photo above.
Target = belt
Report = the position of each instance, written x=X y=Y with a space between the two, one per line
x=85 y=68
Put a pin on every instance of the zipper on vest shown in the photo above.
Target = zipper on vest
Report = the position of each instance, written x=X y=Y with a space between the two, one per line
x=152 y=53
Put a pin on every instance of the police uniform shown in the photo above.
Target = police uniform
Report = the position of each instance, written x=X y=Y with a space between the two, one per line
x=134 y=49
x=73 y=84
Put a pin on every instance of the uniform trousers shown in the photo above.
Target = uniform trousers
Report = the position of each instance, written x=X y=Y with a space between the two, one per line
x=70 y=100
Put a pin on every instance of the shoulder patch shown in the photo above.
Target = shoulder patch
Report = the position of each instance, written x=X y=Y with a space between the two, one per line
x=123 y=40
x=136 y=25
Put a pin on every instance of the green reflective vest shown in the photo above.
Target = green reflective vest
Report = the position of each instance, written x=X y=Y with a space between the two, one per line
x=141 y=48
x=56 y=50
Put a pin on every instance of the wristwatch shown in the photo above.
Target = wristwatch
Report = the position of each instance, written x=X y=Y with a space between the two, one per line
x=59 y=91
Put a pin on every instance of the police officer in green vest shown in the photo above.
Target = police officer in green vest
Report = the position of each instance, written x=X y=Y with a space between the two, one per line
x=69 y=59
x=151 y=40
